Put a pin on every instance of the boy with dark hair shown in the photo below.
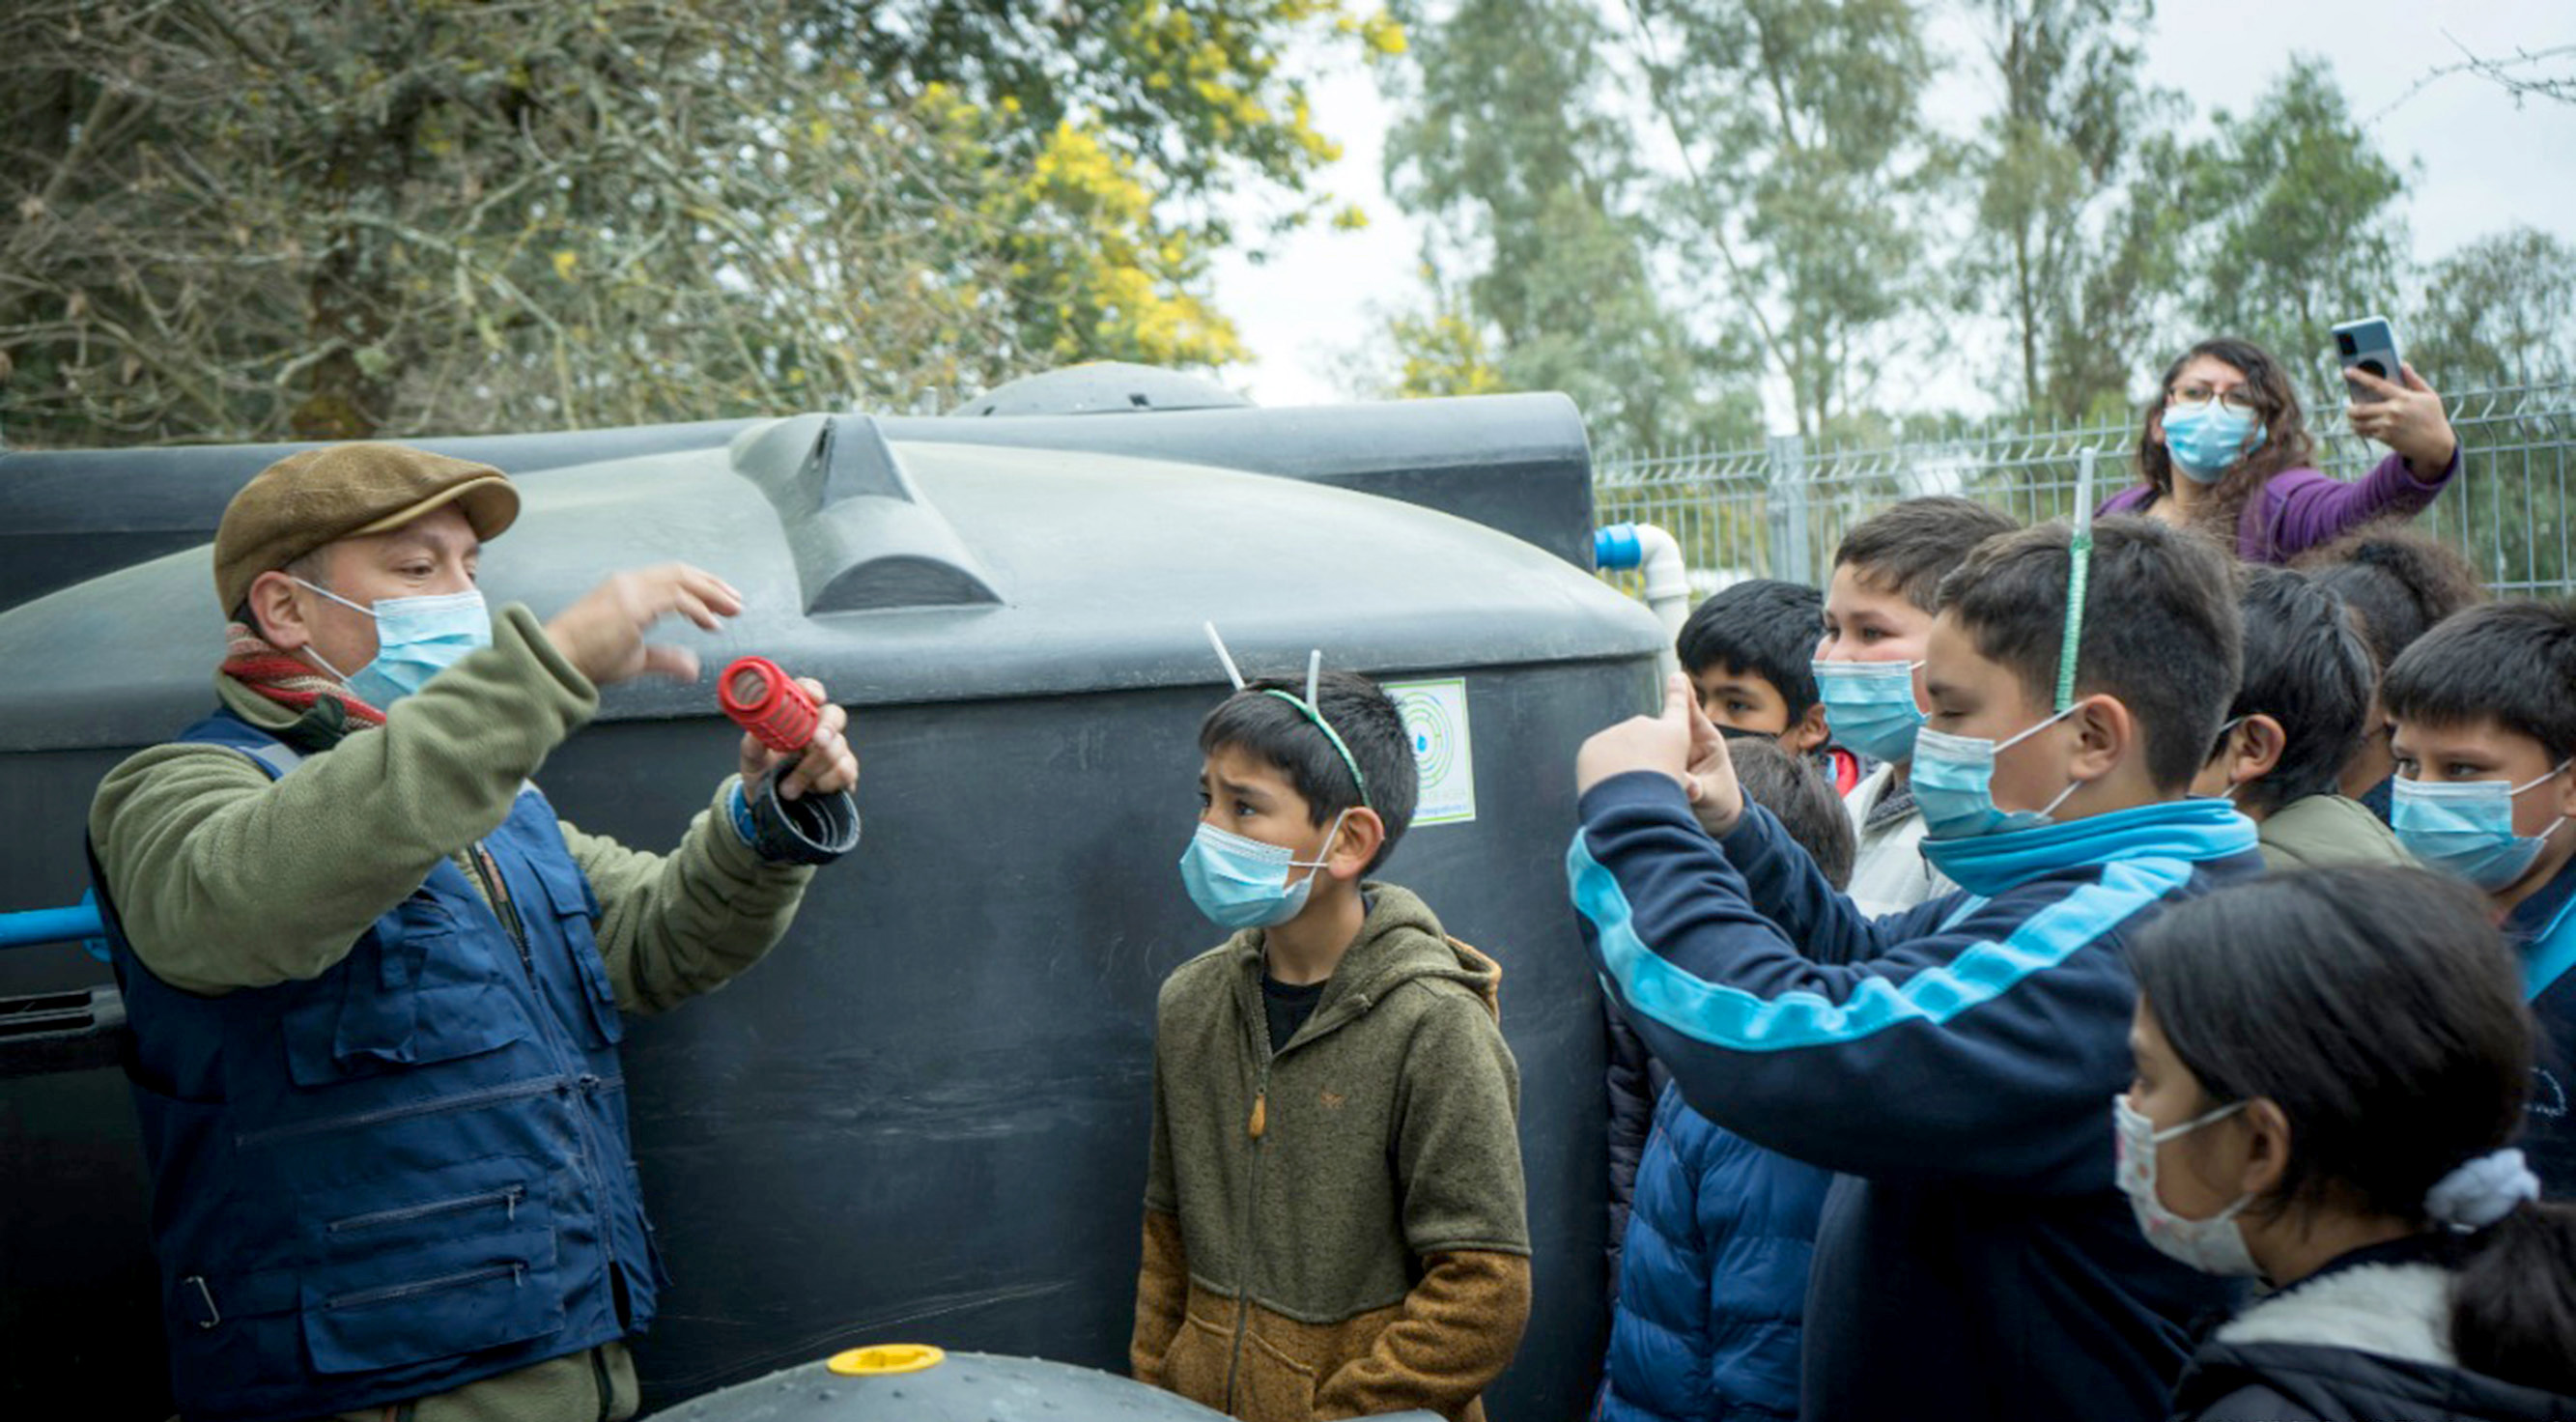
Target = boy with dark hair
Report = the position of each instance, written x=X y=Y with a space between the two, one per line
x=2398 y=584
x=1750 y=650
x=2484 y=708
x=1878 y=615
x=1705 y=1322
x=1333 y=1207
x=2296 y=720
x=1955 y=1063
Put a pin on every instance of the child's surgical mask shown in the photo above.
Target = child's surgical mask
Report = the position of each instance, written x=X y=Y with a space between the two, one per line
x=2465 y=827
x=1870 y=707
x=1953 y=779
x=1243 y=883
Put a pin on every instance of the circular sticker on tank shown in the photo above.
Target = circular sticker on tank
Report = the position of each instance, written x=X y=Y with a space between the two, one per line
x=1435 y=720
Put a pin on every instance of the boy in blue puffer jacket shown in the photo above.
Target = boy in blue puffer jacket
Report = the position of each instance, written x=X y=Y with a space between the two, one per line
x=1713 y=1281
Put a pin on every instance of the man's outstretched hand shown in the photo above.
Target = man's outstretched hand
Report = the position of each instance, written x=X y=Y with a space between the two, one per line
x=827 y=764
x=602 y=635
x=1682 y=743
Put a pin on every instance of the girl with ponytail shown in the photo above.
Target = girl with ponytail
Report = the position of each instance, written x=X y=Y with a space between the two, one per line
x=2330 y=1066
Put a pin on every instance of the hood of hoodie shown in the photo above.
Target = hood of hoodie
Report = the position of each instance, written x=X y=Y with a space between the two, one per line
x=1400 y=941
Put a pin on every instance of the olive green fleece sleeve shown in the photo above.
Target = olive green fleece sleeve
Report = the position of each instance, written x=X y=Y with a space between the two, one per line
x=675 y=925
x=224 y=879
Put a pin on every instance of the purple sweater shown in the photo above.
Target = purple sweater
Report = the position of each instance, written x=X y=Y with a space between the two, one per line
x=2297 y=509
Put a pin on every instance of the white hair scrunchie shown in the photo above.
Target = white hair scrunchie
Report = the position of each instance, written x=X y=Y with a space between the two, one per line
x=2482 y=1192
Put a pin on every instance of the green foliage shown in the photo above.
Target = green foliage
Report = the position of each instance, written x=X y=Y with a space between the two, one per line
x=1808 y=173
x=2497 y=312
x=2078 y=198
x=1509 y=144
x=2306 y=229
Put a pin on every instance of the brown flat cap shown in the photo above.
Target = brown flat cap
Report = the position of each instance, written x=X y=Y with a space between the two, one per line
x=320 y=496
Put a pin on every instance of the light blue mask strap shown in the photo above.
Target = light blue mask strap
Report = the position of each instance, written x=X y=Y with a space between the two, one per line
x=1330 y=734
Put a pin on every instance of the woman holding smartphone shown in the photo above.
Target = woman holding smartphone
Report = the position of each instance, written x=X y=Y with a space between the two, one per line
x=2226 y=449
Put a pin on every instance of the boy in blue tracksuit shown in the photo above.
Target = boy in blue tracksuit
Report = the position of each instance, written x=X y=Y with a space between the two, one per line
x=1713 y=1282
x=2483 y=711
x=1956 y=1062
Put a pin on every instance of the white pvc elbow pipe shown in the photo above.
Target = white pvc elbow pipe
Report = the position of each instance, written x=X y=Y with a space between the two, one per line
x=1658 y=556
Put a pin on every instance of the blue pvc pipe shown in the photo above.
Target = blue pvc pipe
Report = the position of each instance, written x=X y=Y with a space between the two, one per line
x=55 y=925
x=1617 y=547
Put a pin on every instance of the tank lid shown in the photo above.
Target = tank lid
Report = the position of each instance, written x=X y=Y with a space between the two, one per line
x=1108 y=387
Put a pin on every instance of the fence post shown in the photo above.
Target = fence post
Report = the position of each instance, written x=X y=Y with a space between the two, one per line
x=1791 y=558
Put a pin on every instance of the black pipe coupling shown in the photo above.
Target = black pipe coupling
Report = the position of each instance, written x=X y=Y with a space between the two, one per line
x=810 y=829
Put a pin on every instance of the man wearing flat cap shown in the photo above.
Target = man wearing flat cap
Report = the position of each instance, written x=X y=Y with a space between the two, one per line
x=376 y=985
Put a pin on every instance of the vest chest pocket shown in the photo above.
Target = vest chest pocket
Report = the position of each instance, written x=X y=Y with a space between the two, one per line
x=576 y=909
x=420 y=988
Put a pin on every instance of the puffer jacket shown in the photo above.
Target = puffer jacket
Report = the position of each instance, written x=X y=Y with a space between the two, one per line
x=1713 y=1285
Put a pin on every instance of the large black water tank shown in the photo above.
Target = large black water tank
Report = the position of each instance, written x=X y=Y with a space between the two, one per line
x=924 y=1116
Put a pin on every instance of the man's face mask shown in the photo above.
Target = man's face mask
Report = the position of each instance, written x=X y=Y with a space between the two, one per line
x=416 y=639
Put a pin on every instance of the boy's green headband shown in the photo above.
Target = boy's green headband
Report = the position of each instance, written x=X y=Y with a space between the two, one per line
x=2079 y=580
x=1305 y=704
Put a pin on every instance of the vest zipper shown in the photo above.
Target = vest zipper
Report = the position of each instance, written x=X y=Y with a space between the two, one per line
x=505 y=910
x=584 y=1084
x=459 y=1102
x=365 y=1297
x=508 y=1199
x=1256 y=1130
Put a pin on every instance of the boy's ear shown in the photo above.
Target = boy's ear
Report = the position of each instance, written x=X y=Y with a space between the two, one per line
x=1807 y=732
x=1350 y=852
x=2256 y=748
x=2105 y=735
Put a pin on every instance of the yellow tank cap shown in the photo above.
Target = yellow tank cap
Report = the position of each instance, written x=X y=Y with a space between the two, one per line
x=885 y=1359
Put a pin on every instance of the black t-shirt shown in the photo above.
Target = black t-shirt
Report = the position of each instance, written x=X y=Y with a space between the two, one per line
x=1288 y=1006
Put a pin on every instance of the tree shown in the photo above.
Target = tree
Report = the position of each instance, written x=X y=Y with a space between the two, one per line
x=2078 y=219
x=254 y=219
x=2306 y=229
x=2496 y=313
x=1807 y=170
x=1539 y=263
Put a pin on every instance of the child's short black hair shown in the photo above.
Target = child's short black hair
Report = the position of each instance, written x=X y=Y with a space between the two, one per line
x=2513 y=661
x=2306 y=668
x=1796 y=792
x=1364 y=717
x=2399 y=582
x=1911 y=547
x=1761 y=627
x=2161 y=630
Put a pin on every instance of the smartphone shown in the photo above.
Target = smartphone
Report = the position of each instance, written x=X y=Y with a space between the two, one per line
x=2368 y=344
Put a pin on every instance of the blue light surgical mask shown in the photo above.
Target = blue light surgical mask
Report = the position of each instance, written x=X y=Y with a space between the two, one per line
x=1953 y=779
x=1870 y=706
x=1243 y=883
x=2207 y=439
x=416 y=639
x=2465 y=827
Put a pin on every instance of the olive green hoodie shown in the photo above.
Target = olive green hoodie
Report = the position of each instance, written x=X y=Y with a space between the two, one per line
x=1337 y=1229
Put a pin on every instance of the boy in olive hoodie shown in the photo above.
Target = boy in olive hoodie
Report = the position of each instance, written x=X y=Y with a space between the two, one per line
x=1334 y=1223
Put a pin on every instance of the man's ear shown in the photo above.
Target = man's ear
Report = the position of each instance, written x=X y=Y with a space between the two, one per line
x=1348 y=856
x=277 y=612
x=1807 y=732
x=2105 y=734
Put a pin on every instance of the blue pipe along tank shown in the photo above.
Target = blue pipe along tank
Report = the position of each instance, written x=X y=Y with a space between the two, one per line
x=923 y=1117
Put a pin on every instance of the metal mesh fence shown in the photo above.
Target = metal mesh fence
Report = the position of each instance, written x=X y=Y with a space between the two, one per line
x=1780 y=511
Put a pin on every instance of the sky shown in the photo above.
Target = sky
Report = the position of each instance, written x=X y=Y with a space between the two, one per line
x=2482 y=163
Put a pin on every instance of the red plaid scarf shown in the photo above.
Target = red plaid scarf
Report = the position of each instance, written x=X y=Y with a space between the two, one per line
x=251 y=660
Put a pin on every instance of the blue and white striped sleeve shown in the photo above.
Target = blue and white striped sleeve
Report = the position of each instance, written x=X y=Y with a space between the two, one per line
x=1989 y=1048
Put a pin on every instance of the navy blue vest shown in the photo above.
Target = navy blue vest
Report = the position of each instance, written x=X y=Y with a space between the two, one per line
x=403 y=1175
